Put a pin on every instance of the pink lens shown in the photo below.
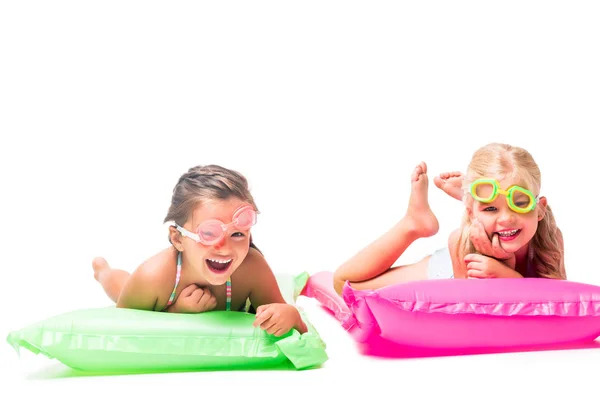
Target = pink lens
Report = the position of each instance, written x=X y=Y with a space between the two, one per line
x=244 y=218
x=210 y=232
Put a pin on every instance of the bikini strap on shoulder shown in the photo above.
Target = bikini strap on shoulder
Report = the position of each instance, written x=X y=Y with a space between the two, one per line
x=228 y=293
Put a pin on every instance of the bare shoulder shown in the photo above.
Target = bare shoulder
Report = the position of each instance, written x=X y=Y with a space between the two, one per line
x=150 y=282
x=261 y=281
x=254 y=265
x=157 y=268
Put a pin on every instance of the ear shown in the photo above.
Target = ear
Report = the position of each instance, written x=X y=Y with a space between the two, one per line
x=468 y=203
x=469 y=209
x=175 y=238
x=465 y=197
x=542 y=206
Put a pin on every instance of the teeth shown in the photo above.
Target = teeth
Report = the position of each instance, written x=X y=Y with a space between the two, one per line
x=508 y=233
x=220 y=261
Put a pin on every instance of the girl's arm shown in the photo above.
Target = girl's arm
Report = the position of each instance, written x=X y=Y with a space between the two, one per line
x=140 y=291
x=143 y=288
x=271 y=309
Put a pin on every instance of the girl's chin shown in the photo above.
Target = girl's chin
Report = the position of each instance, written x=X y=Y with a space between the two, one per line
x=512 y=248
x=216 y=280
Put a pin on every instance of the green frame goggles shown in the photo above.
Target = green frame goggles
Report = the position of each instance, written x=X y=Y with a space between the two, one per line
x=519 y=199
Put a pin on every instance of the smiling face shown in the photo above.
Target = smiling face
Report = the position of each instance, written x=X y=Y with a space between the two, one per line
x=515 y=230
x=215 y=263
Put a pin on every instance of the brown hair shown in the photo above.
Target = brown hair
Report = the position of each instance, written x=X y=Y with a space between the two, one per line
x=203 y=183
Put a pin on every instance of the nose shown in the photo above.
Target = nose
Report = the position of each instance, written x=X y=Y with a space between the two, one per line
x=222 y=242
x=507 y=216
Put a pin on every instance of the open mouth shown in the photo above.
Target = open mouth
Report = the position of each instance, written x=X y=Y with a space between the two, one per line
x=218 y=266
x=508 y=235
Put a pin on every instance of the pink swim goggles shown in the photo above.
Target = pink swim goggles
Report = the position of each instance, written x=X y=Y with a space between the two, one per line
x=213 y=231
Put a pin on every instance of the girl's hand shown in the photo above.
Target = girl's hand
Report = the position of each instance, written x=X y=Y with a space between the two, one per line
x=278 y=318
x=485 y=246
x=482 y=267
x=194 y=299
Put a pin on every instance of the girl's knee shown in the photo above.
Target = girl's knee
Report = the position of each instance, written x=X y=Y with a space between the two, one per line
x=338 y=283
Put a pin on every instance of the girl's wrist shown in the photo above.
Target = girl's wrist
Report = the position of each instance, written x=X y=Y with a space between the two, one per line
x=300 y=326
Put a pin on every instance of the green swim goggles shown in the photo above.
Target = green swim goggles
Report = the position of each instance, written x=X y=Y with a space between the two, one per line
x=519 y=199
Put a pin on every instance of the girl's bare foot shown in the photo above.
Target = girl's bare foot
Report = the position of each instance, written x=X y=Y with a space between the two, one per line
x=451 y=183
x=100 y=267
x=422 y=220
x=112 y=280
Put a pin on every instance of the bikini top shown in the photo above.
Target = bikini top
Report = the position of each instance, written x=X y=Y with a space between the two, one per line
x=178 y=276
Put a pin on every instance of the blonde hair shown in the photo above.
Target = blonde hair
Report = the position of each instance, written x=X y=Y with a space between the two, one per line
x=503 y=161
x=203 y=183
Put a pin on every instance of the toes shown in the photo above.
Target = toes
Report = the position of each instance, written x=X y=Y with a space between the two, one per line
x=450 y=175
x=419 y=170
x=416 y=173
x=99 y=264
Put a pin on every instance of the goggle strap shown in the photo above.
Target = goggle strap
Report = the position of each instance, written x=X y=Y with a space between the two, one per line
x=187 y=233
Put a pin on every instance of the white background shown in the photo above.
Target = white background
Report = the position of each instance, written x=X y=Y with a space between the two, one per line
x=326 y=107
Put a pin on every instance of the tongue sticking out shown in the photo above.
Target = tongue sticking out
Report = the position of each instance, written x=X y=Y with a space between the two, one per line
x=217 y=266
